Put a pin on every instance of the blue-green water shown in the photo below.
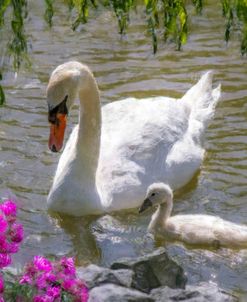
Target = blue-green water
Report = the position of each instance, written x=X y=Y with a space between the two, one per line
x=126 y=67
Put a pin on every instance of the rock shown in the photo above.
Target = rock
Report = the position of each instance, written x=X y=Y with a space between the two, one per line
x=156 y=274
x=205 y=292
x=94 y=275
x=153 y=270
x=113 y=293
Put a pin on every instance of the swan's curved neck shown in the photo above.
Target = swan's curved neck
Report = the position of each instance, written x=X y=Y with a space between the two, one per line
x=88 y=140
x=161 y=215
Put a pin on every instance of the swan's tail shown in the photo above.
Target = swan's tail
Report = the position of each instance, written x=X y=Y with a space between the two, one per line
x=201 y=100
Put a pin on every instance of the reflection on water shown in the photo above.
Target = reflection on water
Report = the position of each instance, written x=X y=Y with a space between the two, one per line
x=126 y=67
x=83 y=241
x=119 y=236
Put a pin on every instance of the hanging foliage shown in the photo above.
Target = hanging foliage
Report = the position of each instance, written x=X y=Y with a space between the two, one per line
x=166 y=19
x=241 y=9
x=175 y=21
x=4 y=5
x=2 y=96
x=198 y=5
x=17 y=46
x=49 y=12
x=82 y=11
x=122 y=9
x=235 y=12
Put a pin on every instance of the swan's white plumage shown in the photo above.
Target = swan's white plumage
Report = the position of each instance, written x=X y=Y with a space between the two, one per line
x=141 y=142
x=194 y=229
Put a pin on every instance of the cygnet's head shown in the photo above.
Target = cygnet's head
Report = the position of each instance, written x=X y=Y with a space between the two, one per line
x=157 y=193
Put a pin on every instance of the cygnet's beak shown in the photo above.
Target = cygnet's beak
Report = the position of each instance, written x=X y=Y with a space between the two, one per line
x=147 y=203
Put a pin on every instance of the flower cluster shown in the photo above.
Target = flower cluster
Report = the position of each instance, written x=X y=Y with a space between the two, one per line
x=11 y=235
x=53 y=280
x=42 y=280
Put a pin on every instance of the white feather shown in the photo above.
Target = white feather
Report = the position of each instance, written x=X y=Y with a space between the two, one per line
x=117 y=152
x=194 y=229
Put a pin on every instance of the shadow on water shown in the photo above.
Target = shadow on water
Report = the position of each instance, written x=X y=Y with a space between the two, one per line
x=84 y=247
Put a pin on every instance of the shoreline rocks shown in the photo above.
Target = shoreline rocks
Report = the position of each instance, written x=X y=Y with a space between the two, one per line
x=153 y=270
x=150 y=278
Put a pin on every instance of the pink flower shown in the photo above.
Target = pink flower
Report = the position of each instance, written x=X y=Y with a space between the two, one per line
x=9 y=208
x=12 y=248
x=50 y=280
x=3 y=244
x=16 y=232
x=69 y=284
x=1 y=284
x=68 y=265
x=42 y=263
x=50 y=277
x=31 y=270
x=25 y=279
x=54 y=292
x=11 y=219
x=84 y=295
x=81 y=292
x=5 y=260
x=3 y=224
x=44 y=298
x=41 y=281
x=1 y=299
x=60 y=275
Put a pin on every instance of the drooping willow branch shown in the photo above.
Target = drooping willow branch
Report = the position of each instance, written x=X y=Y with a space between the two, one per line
x=168 y=17
x=17 y=44
x=235 y=12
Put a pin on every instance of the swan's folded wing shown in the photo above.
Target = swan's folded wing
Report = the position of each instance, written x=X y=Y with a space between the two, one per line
x=137 y=136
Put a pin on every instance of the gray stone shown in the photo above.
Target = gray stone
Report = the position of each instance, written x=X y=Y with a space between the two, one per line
x=94 y=275
x=116 y=293
x=205 y=292
x=153 y=270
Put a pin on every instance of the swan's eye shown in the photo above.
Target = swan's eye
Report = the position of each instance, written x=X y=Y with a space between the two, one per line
x=60 y=108
x=153 y=194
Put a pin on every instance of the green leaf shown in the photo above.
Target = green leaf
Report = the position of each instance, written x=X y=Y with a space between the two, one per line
x=2 y=96
x=70 y=4
x=82 y=10
x=122 y=9
x=49 y=12
x=198 y=5
x=244 y=42
x=4 y=4
x=17 y=47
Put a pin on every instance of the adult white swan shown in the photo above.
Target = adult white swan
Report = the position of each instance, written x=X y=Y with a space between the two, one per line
x=194 y=229
x=116 y=152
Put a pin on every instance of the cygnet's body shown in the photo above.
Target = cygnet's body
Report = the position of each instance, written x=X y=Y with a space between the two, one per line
x=192 y=229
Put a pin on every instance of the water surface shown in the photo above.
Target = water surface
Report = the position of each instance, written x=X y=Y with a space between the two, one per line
x=126 y=67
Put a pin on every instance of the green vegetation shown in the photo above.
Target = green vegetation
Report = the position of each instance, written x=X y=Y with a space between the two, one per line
x=169 y=16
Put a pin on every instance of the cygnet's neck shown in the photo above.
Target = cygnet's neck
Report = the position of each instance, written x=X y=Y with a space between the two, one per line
x=161 y=216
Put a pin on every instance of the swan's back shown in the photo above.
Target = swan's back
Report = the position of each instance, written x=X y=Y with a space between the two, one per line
x=137 y=136
x=206 y=230
x=152 y=140
x=128 y=127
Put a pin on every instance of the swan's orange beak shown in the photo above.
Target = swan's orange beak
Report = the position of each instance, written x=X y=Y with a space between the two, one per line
x=57 y=130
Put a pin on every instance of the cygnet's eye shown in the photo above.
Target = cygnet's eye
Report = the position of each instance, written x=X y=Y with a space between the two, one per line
x=153 y=194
